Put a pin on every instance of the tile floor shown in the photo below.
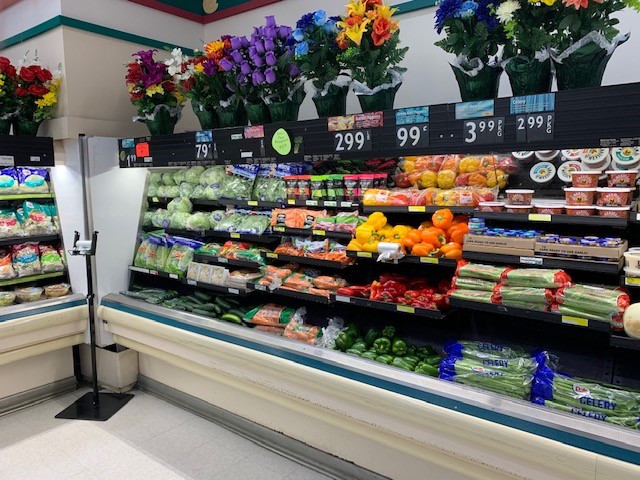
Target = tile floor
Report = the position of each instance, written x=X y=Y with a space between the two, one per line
x=147 y=439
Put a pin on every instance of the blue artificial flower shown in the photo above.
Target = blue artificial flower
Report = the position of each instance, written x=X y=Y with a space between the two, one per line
x=484 y=14
x=305 y=22
x=320 y=18
x=467 y=9
x=302 y=48
x=298 y=34
x=330 y=26
x=446 y=11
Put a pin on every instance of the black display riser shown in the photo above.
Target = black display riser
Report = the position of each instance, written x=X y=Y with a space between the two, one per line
x=25 y=151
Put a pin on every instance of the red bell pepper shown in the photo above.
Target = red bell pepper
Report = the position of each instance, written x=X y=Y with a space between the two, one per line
x=441 y=301
x=444 y=286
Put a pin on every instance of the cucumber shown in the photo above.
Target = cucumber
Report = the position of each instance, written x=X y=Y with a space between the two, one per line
x=229 y=317
x=195 y=300
x=205 y=313
x=211 y=307
x=204 y=296
x=234 y=303
x=223 y=304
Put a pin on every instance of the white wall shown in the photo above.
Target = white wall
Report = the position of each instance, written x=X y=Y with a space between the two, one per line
x=26 y=14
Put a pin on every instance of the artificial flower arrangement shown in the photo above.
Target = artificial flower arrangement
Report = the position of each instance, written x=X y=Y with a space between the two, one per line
x=473 y=34
x=36 y=96
x=370 y=44
x=153 y=91
x=202 y=80
x=8 y=102
x=316 y=54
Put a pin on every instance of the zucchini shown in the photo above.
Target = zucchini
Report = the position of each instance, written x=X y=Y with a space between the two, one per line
x=204 y=313
x=232 y=301
x=211 y=307
x=223 y=304
x=230 y=317
x=195 y=300
x=205 y=297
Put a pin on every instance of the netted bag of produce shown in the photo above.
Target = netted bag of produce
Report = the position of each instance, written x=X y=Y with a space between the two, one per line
x=590 y=298
x=254 y=223
x=26 y=259
x=535 y=277
x=470 y=283
x=8 y=181
x=181 y=255
x=198 y=222
x=484 y=272
x=540 y=296
x=604 y=401
x=506 y=380
x=9 y=225
x=472 y=295
x=238 y=182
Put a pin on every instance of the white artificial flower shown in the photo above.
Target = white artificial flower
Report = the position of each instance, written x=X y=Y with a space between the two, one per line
x=505 y=10
x=174 y=63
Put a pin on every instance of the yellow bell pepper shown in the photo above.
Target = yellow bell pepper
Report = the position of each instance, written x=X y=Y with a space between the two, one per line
x=385 y=233
x=364 y=233
x=370 y=246
x=399 y=231
x=377 y=220
x=355 y=246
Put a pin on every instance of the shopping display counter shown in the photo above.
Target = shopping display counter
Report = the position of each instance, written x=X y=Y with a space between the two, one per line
x=393 y=422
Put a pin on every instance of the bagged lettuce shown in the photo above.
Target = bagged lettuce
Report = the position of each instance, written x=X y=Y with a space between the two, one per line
x=33 y=180
x=8 y=181
x=50 y=259
x=180 y=176
x=179 y=220
x=157 y=252
x=186 y=189
x=147 y=219
x=198 y=191
x=238 y=182
x=180 y=205
x=192 y=175
x=212 y=192
x=140 y=259
x=181 y=255
x=198 y=222
x=167 y=179
x=216 y=217
x=155 y=178
x=152 y=190
x=254 y=223
x=161 y=218
x=230 y=223
x=213 y=176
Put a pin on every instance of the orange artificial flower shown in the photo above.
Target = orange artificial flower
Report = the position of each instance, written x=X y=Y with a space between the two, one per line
x=381 y=31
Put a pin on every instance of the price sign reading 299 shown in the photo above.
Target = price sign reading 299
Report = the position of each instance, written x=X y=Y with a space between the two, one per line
x=352 y=141
x=484 y=131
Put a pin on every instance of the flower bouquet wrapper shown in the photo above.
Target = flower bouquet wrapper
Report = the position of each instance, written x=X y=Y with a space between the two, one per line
x=340 y=83
x=172 y=111
x=361 y=89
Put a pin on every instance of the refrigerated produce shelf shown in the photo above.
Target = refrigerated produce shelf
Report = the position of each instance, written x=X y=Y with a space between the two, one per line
x=316 y=262
x=392 y=307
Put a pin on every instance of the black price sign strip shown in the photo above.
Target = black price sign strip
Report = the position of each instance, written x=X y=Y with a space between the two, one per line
x=483 y=131
x=352 y=141
x=412 y=136
x=535 y=127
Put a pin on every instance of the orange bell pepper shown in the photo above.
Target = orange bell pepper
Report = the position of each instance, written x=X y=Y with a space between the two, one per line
x=426 y=224
x=442 y=218
x=456 y=254
x=431 y=237
x=450 y=246
x=422 y=249
x=457 y=233
x=411 y=238
x=460 y=219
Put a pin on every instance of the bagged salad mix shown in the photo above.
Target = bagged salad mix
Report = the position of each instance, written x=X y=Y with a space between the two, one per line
x=33 y=180
x=8 y=181
x=9 y=225
x=238 y=182
x=6 y=267
x=50 y=259
x=35 y=218
x=26 y=259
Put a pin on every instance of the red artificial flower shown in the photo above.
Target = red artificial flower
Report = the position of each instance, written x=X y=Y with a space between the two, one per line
x=5 y=63
x=134 y=73
x=168 y=86
x=38 y=90
x=370 y=4
x=22 y=92
x=44 y=75
x=136 y=95
x=27 y=74
x=11 y=71
x=187 y=85
x=381 y=31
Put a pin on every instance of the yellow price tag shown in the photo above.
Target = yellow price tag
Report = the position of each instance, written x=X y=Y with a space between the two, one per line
x=539 y=217
x=417 y=208
x=252 y=203
x=429 y=260
x=632 y=281
x=272 y=255
x=405 y=309
x=291 y=201
x=580 y=322
x=278 y=229
x=319 y=232
x=234 y=235
x=365 y=255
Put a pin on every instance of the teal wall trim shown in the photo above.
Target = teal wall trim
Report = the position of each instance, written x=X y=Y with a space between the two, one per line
x=61 y=20
x=413 y=5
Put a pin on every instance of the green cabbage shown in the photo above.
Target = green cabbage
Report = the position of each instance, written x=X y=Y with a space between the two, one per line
x=180 y=204
x=198 y=222
x=180 y=176
x=167 y=178
x=193 y=174
x=179 y=220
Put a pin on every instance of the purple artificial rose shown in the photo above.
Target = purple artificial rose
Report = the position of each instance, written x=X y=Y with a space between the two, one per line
x=241 y=79
x=259 y=46
x=271 y=59
x=236 y=43
x=294 y=71
x=237 y=56
x=146 y=56
x=210 y=68
x=271 y=21
x=271 y=32
x=245 y=67
x=270 y=76
x=231 y=88
x=284 y=32
x=244 y=41
x=226 y=65
x=257 y=60
x=257 y=78
x=252 y=51
x=269 y=45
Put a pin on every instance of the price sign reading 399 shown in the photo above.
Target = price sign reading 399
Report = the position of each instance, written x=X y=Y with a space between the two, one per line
x=484 y=131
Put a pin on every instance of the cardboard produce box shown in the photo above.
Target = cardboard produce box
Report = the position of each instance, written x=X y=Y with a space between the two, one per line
x=499 y=245
x=581 y=252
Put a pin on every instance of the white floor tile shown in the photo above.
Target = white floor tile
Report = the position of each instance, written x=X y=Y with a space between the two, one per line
x=304 y=473
x=208 y=461
x=172 y=445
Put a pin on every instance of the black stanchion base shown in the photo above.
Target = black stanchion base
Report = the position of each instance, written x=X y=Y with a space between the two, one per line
x=84 y=409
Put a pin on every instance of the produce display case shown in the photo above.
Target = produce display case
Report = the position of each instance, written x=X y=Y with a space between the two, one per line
x=585 y=347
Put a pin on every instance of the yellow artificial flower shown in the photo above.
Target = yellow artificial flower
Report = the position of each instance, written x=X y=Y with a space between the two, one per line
x=1 y=82
x=48 y=100
x=356 y=7
x=179 y=97
x=548 y=3
x=213 y=47
x=356 y=32
x=199 y=68
x=131 y=88
x=54 y=86
x=153 y=89
x=386 y=12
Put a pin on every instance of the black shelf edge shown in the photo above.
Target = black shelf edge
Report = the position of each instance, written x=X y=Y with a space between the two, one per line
x=634 y=217
x=242 y=236
x=250 y=203
x=34 y=238
x=316 y=262
x=622 y=341
x=339 y=204
x=443 y=262
x=202 y=258
x=217 y=288
x=391 y=307
x=547 y=317
x=544 y=262
x=291 y=293
x=26 y=151
x=538 y=219
x=313 y=232
x=416 y=209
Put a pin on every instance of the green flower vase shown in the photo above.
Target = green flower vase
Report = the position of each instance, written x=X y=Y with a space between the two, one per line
x=483 y=86
x=5 y=127
x=207 y=115
x=288 y=110
x=383 y=100
x=233 y=115
x=334 y=103
x=26 y=126
x=163 y=123
x=257 y=113
x=583 y=68
x=529 y=76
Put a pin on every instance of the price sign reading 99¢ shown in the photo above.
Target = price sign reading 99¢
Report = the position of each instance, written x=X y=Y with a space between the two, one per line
x=412 y=136
x=484 y=131
x=536 y=127
x=352 y=141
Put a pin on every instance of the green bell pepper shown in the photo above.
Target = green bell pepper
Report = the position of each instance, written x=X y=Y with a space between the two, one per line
x=369 y=354
x=352 y=330
x=426 y=369
x=353 y=351
x=389 y=332
x=371 y=336
x=403 y=364
x=360 y=346
x=382 y=345
x=412 y=358
x=411 y=350
x=398 y=347
x=433 y=360
x=425 y=351
x=384 y=359
x=344 y=341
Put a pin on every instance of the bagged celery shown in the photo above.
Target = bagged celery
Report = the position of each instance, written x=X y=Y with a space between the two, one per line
x=180 y=205
x=179 y=220
x=629 y=422
x=542 y=296
x=238 y=182
x=8 y=181
x=198 y=222
x=536 y=277
x=468 y=283
x=33 y=180
x=476 y=270
x=579 y=313
x=472 y=295
x=157 y=252
x=536 y=307
x=50 y=259
x=607 y=301
x=181 y=255
x=192 y=175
